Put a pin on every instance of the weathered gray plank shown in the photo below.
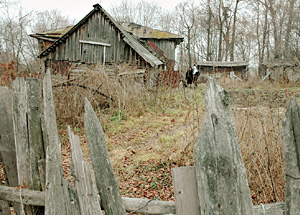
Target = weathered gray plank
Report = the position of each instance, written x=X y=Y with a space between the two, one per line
x=295 y=197
x=29 y=197
x=28 y=134
x=71 y=199
x=290 y=134
x=88 y=199
x=7 y=142
x=35 y=139
x=220 y=173
x=131 y=204
x=106 y=183
x=4 y=208
x=21 y=132
x=270 y=209
x=55 y=200
x=150 y=206
x=185 y=190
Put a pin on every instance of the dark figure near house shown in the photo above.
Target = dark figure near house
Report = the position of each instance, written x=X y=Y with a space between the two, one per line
x=189 y=76
x=196 y=74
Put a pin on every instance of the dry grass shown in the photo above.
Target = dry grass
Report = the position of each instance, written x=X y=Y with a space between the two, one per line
x=149 y=132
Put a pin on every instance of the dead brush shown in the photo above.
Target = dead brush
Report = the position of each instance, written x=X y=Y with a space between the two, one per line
x=106 y=93
x=258 y=127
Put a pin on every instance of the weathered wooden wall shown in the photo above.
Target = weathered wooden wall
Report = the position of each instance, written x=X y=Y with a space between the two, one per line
x=97 y=28
x=167 y=46
x=239 y=71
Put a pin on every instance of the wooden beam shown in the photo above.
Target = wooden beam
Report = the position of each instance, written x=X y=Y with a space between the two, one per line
x=28 y=197
x=37 y=198
x=94 y=43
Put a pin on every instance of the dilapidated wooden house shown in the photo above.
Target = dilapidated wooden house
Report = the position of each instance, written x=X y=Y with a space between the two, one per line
x=221 y=68
x=99 y=39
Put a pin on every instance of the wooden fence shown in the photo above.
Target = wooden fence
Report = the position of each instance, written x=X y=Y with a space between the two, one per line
x=30 y=151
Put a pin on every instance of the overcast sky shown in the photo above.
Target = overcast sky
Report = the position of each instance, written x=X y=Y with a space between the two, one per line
x=78 y=9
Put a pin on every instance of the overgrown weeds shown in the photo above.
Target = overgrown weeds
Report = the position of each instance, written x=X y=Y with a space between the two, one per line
x=150 y=131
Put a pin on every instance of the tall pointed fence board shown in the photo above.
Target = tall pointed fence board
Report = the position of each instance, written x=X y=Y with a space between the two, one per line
x=88 y=199
x=220 y=173
x=290 y=133
x=35 y=137
x=58 y=198
x=27 y=102
x=7 y=143
x=106 y=183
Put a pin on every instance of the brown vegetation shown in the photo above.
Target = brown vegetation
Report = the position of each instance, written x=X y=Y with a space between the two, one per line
x=149 y=132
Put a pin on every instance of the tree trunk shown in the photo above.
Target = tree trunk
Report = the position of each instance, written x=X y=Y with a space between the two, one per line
x=220 y=32
x=208 y=51
x=275 y=32
x=287 y=52
x=233 y=31
x=189 y=47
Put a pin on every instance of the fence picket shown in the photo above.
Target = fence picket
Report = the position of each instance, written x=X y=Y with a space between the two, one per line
x=7 y=143
x=58 y=198
x=28 y=136
x=88 y=199
x=21 y=132
x=220 y=173
x=184 y=183
x=107 y=185
x=35 y=138
x=290 y=134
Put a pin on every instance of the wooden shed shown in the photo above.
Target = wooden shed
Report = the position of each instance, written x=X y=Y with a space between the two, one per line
x=161 y=43
x=287 y=70
x=96 y=39
x=221 y=68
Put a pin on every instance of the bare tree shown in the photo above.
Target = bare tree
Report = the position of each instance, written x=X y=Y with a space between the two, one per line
x=233 y=30
x=187 y=13
x=50 y=20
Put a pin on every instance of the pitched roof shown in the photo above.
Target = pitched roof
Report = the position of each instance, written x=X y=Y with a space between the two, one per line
x=148 y=33
x=129 y=39
x=51 y=35
x=223 y=63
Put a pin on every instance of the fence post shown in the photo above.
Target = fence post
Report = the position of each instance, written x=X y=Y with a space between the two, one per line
x=59 y=198
x=184 y=182
x=7 y=143
x=88 y=199
x=107 y=185
x=220 y=173
x=28 y=136
x=35 y=137
x=290 y=134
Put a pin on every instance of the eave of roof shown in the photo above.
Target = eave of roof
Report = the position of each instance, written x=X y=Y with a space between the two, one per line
x=129 y=39
x=223 y=64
